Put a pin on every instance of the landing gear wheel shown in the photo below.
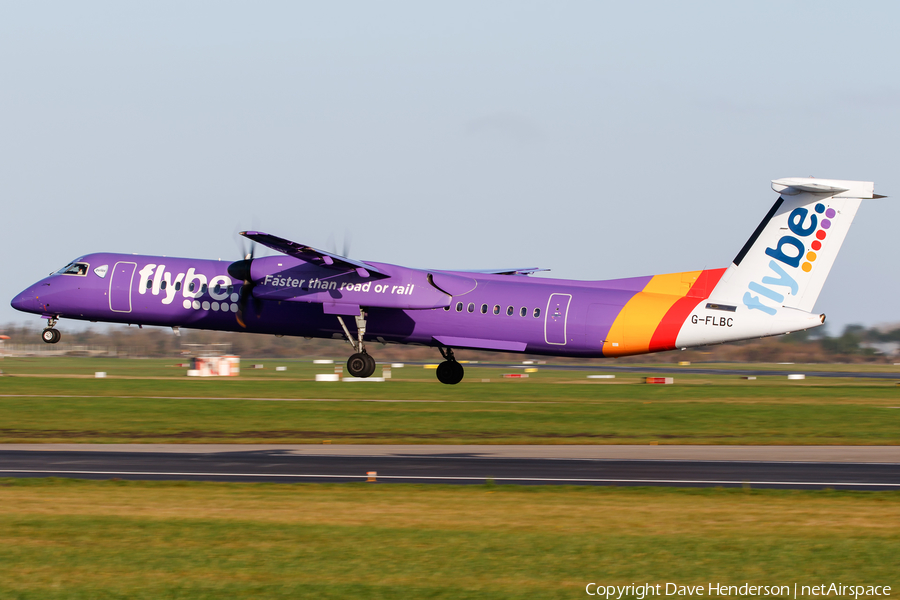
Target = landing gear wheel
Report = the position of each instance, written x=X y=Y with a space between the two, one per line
x=361 y=365
x=51 y=336
x=450 y=372
x=357 y=364
x=370 y=370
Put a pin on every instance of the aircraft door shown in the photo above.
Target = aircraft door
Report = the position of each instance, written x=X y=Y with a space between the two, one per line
x=120 y=287
x=555 y=319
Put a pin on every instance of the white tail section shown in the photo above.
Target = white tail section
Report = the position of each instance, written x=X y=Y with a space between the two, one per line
x=785 y=263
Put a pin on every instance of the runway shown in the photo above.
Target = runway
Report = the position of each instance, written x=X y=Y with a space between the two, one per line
x=448 y=465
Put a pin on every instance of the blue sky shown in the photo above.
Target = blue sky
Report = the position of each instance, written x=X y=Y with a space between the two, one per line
x=598 y=140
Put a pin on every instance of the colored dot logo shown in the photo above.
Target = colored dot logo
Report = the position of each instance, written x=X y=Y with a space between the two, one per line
x=825 y=223
x=214 y=306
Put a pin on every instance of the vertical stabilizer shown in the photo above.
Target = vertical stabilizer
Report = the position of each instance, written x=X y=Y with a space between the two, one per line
x=785 y=262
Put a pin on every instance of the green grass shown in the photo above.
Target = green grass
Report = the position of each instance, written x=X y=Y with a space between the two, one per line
x=304 y=369
x=77 y=539
x=53 y=403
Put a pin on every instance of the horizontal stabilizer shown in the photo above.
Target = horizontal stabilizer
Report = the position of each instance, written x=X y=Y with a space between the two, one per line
x=312 y=255
x=839 y=188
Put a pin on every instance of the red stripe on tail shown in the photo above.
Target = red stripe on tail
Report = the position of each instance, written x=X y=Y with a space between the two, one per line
x=668 y=329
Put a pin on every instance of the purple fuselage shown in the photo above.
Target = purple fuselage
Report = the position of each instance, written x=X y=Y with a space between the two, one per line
x=297 y=298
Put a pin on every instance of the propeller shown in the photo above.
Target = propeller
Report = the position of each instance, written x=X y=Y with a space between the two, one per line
x=331 y=244
x=241 y=270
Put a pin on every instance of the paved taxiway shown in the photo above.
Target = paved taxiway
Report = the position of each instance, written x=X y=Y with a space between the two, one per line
x=673 y=370
x=857 y=467
x=693 y=370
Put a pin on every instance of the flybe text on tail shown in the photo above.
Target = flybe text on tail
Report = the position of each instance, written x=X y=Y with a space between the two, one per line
x=790 y=251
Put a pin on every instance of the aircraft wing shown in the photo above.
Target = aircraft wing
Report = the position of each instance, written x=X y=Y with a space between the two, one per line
x=312 y=255
x=525 y=271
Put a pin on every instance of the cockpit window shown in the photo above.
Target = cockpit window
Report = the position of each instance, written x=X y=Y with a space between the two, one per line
x=74 y=268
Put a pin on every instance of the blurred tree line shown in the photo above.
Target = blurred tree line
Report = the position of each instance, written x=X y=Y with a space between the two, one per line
x=855 y=344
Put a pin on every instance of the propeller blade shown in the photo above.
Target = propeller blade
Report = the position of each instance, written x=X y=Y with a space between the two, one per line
x=331 y=244
x=244 y=298
x=346 y=250
x=241 y=269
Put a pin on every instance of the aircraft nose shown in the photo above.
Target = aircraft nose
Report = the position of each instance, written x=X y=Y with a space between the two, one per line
x=25 y=301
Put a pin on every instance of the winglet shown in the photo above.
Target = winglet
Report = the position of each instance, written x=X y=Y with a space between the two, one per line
x=312 y=255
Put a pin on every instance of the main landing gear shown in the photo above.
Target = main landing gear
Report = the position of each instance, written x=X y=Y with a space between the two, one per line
x=449 y=371
x=360 y=364
x=51 y=335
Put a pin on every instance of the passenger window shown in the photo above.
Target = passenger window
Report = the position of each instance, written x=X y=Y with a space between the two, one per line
x=163 y=285
x=217 y=289
x=149 y=284
x=537 y=313
x=496 y=309
x=191 y=287
x=471 y=307
x=523 y=311
x=459 y=307
x=203 y=289
x=230 y=289
x=509 y=311
x=484 y=309
x=447 y=307
x=177 y=286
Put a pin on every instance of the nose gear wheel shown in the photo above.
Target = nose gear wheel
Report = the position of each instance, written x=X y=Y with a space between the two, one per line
x=50 y=335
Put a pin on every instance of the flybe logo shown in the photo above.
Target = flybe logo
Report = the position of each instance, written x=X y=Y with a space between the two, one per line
x=790 y=253
x=194 y=288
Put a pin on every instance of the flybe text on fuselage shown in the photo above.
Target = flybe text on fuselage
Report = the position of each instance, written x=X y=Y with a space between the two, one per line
x=156 y=280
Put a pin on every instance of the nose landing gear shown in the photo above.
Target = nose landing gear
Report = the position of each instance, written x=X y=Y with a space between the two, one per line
x=449 y=371
x=51 y=335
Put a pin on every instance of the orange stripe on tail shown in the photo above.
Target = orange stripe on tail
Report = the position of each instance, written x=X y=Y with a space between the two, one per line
x=670 y=326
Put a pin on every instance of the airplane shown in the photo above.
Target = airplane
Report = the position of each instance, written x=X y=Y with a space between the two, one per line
x=770 y=288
